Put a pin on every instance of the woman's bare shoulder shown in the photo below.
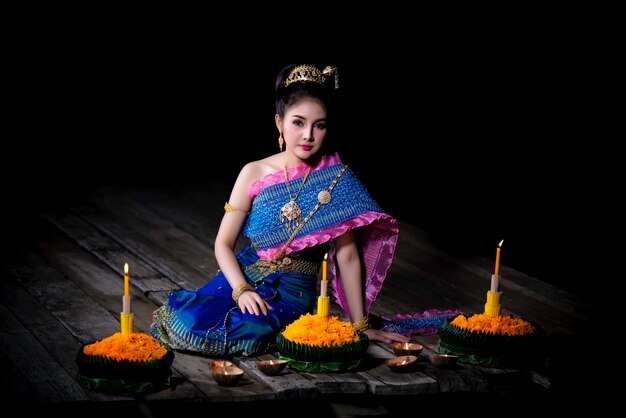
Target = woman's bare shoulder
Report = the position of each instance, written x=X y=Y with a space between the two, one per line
x=257 y=170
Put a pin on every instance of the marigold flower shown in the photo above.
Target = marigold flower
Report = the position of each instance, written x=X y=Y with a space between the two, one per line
x=318 y=331
x=502 y=324
x=135 y=346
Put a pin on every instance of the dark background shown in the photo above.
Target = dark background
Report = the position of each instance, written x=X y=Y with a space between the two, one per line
x=471 y=143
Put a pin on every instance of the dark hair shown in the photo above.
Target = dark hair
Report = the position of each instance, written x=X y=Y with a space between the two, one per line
x=287 y=96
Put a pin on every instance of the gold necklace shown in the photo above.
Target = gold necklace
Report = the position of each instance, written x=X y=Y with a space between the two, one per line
x=290 y=213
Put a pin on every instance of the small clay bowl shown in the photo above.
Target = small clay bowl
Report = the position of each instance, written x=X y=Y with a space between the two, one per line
x=443 y=360
x=271 y=367
x=400 y=363
x=407 y=349
x=220 y=363
x=227 y=376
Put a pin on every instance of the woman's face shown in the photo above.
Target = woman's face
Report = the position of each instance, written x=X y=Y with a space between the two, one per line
x=304 y=127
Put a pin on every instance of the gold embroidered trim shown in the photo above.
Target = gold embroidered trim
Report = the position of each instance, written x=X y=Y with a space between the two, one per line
x=289 y=264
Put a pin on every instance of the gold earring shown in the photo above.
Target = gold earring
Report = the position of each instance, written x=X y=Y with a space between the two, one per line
x=281 y=141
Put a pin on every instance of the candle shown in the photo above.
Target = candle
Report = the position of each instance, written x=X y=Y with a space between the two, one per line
x=324 y=284
x=126 y=281
x=271 y=367
x=494 y=283
x=407 y=348
x=323 y=301
x=227 y=376
x=399 y=364
x=497 y=269
x=443 y=360
x=127 y=320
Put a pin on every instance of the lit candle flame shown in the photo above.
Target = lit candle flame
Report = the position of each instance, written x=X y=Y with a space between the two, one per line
x=125 y=268
x=406 y=346
x=500 y=245
x=271 y=362
x=226 y=372
x=403 y=362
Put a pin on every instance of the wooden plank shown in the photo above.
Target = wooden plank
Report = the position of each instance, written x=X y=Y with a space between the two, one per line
x=460 y=378
x=344 y=382
x=114 y=255
x=59 y=342
x=159 y=242
x=381 y=380
x=195 y=368
x=286 y=385
x=94 y=278
x=81 y=315
x=158 y=298
x=194 y=208
x=51 y=382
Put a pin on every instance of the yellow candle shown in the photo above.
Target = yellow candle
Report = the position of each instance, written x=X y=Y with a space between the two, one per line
x=126 y=281
x=497 y=269
x=324 y=266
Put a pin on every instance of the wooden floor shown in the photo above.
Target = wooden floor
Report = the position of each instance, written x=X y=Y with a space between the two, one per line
x=61 y=285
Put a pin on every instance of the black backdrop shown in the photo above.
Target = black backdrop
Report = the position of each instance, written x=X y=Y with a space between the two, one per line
x=470 y=146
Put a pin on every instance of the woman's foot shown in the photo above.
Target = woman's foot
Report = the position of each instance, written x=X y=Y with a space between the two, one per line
x=154 y=319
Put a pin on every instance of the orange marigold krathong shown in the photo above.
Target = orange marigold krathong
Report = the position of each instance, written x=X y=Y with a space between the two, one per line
x=135 y=346
x=502 y=324
x=318 y=331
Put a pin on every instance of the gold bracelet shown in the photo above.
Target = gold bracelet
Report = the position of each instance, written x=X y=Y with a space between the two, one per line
x=239 y=289
x=230 y=208
x=361 y=325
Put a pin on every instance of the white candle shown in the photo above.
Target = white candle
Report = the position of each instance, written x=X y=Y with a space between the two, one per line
x=494 y=283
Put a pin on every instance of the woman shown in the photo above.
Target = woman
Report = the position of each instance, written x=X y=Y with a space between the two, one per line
x=295 y=206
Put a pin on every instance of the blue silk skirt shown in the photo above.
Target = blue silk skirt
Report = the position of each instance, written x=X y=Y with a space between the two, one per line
x=208 y=320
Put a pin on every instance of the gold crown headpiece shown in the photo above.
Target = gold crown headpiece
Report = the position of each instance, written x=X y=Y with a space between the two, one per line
x=306 y=72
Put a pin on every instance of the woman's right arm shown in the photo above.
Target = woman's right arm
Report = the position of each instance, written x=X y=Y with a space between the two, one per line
x=227 y=235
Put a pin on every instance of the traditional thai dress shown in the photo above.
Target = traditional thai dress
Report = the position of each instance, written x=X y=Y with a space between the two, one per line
x=283 y=261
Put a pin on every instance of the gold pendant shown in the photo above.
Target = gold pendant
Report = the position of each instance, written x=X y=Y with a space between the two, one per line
x=323 y=197
x=291 y=214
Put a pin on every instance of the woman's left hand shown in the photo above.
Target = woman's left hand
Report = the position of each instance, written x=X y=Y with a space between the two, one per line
x=384 y=336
